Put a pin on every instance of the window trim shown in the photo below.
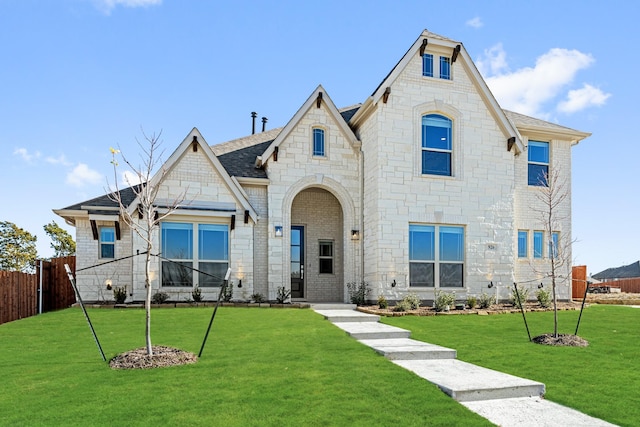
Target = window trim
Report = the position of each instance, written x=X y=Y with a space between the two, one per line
x=446 y=60
x=102 y=243
x=424 y=148
x=438 y=258
x=523 y=250
x=539 y=182
x=538 y=254
x=427 y=65
x=328 y=243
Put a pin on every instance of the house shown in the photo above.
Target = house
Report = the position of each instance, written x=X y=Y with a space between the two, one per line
x=427 y=185
x=631 y=271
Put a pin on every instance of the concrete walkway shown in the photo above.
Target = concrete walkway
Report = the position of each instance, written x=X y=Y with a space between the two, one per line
x=503 y=399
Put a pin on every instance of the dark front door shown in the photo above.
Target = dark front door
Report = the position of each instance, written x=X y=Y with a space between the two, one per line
x=297 y=261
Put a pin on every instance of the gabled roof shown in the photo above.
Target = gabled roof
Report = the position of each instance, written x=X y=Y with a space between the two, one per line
x=319 y=94
x=101 y=205
x=624 y=272
x=533 y=125
x=505 y=125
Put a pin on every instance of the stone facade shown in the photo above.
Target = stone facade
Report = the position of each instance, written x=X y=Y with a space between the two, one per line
x=362 y=194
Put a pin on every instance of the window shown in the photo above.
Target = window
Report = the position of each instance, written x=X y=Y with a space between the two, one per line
x=436 y=145
x=318 y=142
x=427 y=65
x=523 y=241
x=107 y=242
x=553 y=245
x=207 y=248
x=538 y=163
x=445 y=68
x=429 y=267
x=538 y=238
x=325 y=252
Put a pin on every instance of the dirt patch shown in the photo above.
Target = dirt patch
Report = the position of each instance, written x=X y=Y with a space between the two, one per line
x=566 y=340
x=620 y=298
x=162 y=357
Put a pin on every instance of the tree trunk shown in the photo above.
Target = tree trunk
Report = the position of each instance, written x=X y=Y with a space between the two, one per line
x=147 y=303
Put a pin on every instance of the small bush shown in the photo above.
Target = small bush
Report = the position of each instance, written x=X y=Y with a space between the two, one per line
x=444 y=300
x=159 y=297
x=283 y=295
x=412 y=300
x=402 y=305
x=382 y=302
x=120 y=294
x=519 y=299
x=486 y=301
x=196 y=294
x=472 y=302
x=227 y=292
x=358 y=292
x=544 y=298
x=257 y=297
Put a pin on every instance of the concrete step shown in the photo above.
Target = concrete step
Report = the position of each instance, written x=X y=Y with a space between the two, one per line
x=339 y=316
x=372 y=330
x=408 y=349
x=466 y=382
x=532 y=412
x=333 y=306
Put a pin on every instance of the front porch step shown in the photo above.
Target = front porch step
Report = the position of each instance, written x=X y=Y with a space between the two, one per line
x=339 y=316
x=372 y=330
x=466 y=382
x=408 y=349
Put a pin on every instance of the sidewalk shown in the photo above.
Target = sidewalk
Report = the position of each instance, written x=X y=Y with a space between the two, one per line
x=503 y=399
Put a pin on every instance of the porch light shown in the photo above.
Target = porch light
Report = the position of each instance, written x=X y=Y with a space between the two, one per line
x=490 y=284
x=355 y=234
x=278 y=230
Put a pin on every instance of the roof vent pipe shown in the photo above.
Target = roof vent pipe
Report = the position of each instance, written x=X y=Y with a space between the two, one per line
x=264 y=123
x=253 y=122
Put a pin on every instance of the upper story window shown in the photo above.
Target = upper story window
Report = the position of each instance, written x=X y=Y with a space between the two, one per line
x=325 y=251
x=427 y=65
x=429 y=267
x=436 y=145
x=553 y=245
x=445 y=68
x=523 y=242
x=318 y=142
x=206 y=249
x=538 y=163
x=107 y=242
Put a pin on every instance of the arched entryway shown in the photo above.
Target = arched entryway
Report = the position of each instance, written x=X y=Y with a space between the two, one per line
x=317 y=247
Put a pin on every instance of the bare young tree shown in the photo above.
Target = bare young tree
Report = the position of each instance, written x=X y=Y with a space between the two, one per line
x=552 y=196
x=145 y=219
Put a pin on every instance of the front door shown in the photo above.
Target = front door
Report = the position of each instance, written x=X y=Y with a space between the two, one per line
x=297 y=261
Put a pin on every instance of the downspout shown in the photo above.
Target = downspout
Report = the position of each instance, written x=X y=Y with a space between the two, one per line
x=362 y=233
x=40 y=289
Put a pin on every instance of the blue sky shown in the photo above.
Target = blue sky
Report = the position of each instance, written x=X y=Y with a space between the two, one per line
x=81 y=76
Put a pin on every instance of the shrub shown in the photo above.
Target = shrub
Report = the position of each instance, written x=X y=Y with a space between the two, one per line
x=402 y=305
x=120 y=294
x=382 y=302
x=257 y=297
x=227 y=292
x=159 y=297
x=358 y=292
x=472 y=302
x=196 y=294
x=486 y=301
x=444 y=300
x=519 y=299
x=412 y=300
x=283 y=295
x=544 y=298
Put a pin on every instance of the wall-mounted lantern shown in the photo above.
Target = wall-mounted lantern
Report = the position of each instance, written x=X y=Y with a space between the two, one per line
x=355 y=234
x=278 y=230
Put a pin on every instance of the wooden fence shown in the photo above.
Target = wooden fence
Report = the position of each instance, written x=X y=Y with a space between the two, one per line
x=631 y=286
x=578 y=281
x=19 y=292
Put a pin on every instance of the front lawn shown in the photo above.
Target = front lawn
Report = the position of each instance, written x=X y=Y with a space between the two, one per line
x=602 y=380
x=260 y=367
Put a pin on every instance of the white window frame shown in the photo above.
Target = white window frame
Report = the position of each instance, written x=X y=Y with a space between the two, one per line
x=438 y=260
x=324 y=142
x=106 y=243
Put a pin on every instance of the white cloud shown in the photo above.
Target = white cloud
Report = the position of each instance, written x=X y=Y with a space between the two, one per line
x=82 y=175
x=60 y=160
x=130 y=178
x=107 y=6
x=26 y=156
x=528 y=89
x=475 y=22
x=579 y=99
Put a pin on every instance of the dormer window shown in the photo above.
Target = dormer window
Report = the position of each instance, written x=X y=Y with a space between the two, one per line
x=445 y=68
x=427 y=65
x=318 y=142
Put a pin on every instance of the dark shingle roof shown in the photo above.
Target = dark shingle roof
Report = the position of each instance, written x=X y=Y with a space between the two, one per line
x=624 y=272
x=241 y=163
x=347 y=114
x=128 y=196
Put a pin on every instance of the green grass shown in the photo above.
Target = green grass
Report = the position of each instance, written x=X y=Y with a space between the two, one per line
x=283 y=367
x=602 y=380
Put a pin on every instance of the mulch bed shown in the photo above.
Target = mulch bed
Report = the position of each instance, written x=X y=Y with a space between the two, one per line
x=561 y=340
x=494 y=309
x=162 y=357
